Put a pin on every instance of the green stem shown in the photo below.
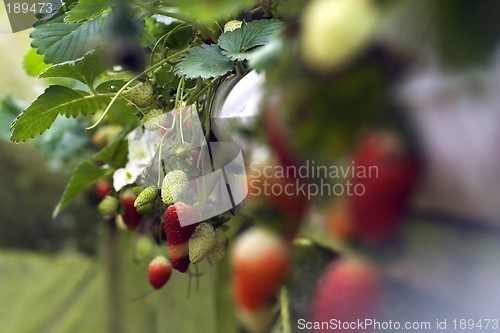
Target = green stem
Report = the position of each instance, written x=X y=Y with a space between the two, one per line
x=126 y=85
x=285 y=312
x=207 y=105
x=181 y=111
x=239 y=68
x=159 y=181
x=178 y=16
x=179 y=98
x=164 y=38
x=195 y=97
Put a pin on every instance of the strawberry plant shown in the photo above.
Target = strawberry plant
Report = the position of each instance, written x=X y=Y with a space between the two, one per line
x=189 y=107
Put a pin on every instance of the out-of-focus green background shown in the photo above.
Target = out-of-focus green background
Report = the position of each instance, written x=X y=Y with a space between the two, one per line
x=54 y=273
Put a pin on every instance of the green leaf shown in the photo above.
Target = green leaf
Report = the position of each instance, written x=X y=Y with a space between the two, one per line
x=238 y=43
x=64 y=140
x=85 y=69
x=85 y=175
x=111 y=86
x=114 y=154
x=62 y=42
x=209 y=11
x=9 y=110
x=122 y=113
x=33 y=63
x=204 y=61
x=267 y=56
x=40 y=115
x=59 y=7
x=177 y=39
x=86 y=10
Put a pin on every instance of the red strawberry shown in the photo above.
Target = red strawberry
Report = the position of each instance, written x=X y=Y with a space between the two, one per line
x=102 y=189
x=159 y=272
x=348 y=290
x=178 y=236
x=131 y=217
x=261 y=261
x=376 y=213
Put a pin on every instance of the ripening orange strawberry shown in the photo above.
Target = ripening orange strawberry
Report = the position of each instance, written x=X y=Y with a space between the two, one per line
x=261 y=262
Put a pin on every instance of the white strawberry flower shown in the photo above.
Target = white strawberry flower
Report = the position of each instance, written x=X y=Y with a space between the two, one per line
x=126 y=176
x=139 y=152
x=142 y=148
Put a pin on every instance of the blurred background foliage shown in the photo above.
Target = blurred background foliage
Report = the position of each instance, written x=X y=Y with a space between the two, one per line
x=32 y=184
x=52 y=271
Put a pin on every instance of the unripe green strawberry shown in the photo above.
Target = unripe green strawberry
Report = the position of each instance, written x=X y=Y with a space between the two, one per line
x=261 y=261
x=147 y=209
x=334 y=31
x=142 y=95
x=232 y=25
x=152 y=120
x=221 y=242
x=148 y=195
x=183 y=150
x=173 y=184
x=137 y=190
x=201 y=242
x=143 y=248
x=108 y=207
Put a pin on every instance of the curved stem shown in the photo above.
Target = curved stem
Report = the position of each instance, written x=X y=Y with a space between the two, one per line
x=178 y=16
x=178 y=106
x=197 y=94
x=164 y=38
x=128 y=84
x=179 y=95
x=239 y=68
x=159 y=181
